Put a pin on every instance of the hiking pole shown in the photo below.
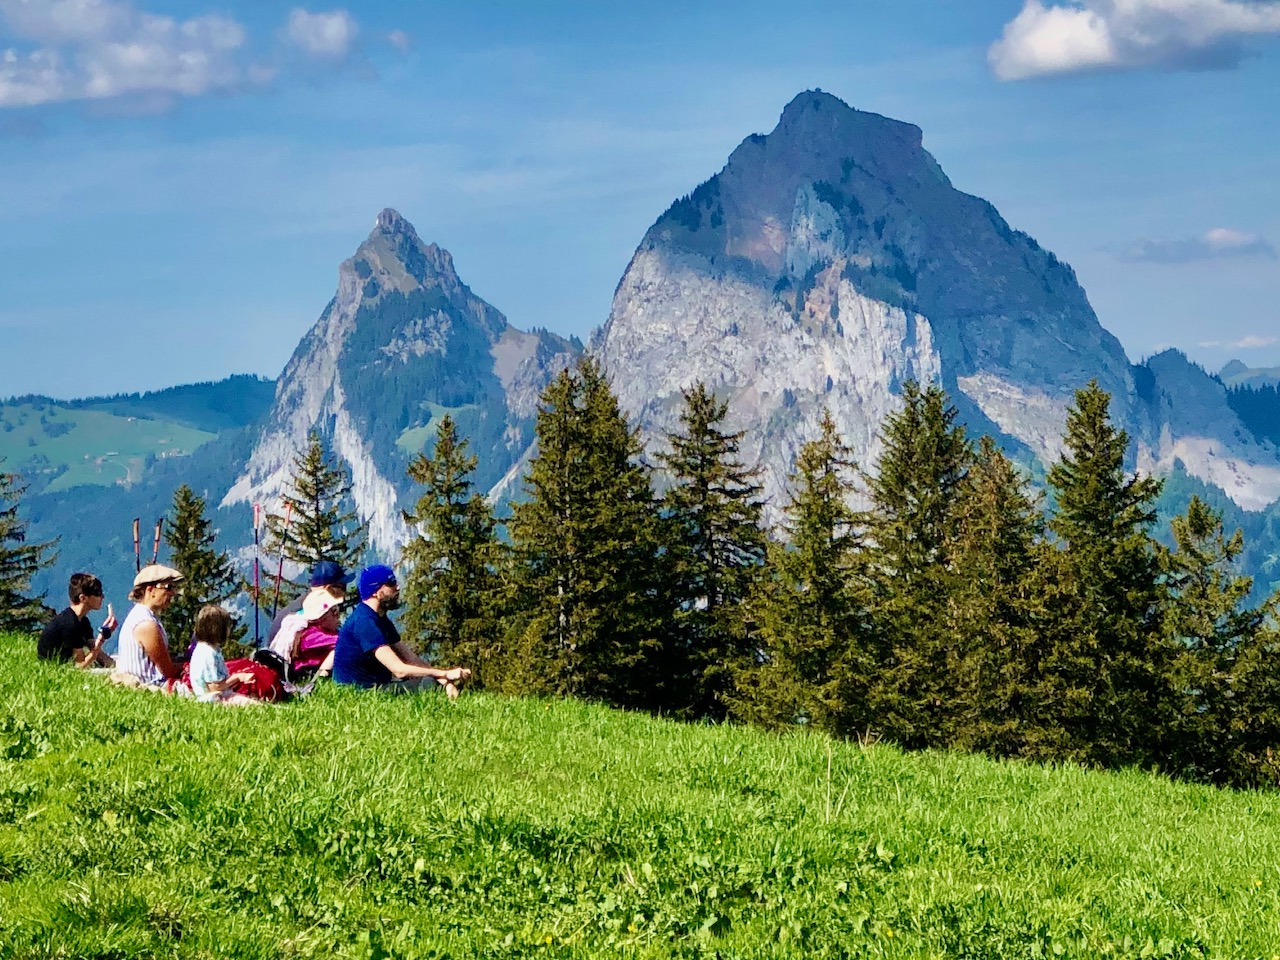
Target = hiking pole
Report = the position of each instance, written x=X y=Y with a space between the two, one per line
x=257 y=515
x=155 y=548
x=284 y=539
x=137 y=544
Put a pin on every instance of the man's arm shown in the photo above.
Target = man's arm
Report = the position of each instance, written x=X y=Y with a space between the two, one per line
x=399 y=659
x=153 y=645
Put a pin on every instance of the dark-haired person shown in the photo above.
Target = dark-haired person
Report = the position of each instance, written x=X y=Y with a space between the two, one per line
x=69 y=636
x=370 y=652
x=142 y=658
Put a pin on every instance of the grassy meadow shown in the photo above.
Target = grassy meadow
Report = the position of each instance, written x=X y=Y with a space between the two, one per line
x=366 y=826
x=89 y=446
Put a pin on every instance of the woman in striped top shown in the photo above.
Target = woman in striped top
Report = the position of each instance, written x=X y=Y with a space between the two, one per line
x=143 y=656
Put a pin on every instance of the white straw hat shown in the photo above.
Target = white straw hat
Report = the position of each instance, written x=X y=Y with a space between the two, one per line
x=156 y=573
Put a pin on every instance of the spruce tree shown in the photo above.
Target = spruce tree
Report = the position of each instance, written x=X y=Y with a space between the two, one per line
x=810 y=605
x=585 y=574
x=319 y=525
x=208 y=574
x=912 y=530
x=1249 y=751
x=1211 y=624
x=19 y=562
x=451 y=588
x=995 y=613
x=716 y=548
x=1108 y=659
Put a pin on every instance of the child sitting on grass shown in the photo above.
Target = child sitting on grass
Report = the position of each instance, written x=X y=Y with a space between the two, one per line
x=211 y=681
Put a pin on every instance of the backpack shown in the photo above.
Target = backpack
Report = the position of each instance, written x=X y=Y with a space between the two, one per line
x=265 y=685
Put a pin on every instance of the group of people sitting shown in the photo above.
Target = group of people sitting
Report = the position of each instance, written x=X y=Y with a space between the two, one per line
x=309 y=637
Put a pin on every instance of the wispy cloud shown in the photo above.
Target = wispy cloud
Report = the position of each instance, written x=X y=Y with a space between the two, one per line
x=1218 y=244
x=400 y=40
x=1073 y=36
x=59 y=51
x=329 y=35
x=1252 y=342
x=102 y=49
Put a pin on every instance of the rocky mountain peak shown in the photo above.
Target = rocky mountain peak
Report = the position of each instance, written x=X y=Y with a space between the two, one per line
x=828 y=261
x=390 y=221
x=403 y=342
x=819 y=126
x=394 y=258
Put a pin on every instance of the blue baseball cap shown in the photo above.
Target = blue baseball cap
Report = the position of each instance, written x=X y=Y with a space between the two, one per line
x=326 y=573
x=371 y=578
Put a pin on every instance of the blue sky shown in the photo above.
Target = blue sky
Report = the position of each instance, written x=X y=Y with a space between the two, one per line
x=179 y=180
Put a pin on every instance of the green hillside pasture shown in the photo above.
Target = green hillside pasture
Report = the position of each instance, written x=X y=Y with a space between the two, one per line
x=364 y=826
x=94 y=447
x=415 y=440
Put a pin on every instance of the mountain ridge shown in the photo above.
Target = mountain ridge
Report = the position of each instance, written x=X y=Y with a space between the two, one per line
x=832 y=258
x=826 y=263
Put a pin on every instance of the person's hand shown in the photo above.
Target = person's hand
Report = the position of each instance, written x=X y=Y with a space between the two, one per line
x=242 y=677
x=110 y=622
x=457 y=675
x=451 y=690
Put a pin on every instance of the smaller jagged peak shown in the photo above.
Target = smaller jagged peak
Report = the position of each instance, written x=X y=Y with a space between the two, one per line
x=390 y=221
x=395 y=248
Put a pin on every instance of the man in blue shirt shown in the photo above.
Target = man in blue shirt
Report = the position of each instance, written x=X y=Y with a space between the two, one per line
x=370 y=652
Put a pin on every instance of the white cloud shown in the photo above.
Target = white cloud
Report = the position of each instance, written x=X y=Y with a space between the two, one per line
x=66 y=21
x=1217 y=244
x=98 y=50
x=1074 y=36
x=325 y=36
x=1251 y=342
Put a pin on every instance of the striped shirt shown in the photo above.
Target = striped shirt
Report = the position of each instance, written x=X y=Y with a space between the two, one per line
x=131 y=658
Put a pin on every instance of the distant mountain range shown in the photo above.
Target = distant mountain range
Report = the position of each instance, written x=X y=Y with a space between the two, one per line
x=1237 y=374
x=826 y=263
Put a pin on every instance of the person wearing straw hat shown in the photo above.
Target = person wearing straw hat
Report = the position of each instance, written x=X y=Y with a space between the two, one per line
x=143 y=658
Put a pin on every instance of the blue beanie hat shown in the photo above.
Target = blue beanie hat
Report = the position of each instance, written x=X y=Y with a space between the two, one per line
x=371 y=578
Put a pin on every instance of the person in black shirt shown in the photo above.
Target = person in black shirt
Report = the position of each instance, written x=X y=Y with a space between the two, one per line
x=68 y=636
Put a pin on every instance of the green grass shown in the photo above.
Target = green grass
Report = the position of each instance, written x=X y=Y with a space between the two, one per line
x=414 y=440
x=95 y=447
x=359 y=825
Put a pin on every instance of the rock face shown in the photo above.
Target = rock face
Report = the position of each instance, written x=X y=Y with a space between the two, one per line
x=832 y=259
x=403 y=342
x=1192 y=424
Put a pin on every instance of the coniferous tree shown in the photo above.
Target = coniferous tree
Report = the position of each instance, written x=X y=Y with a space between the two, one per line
x=1211 y=625
x=319 y=525
x=208 y=574
x=810 y=605
x=585 y=574
x=912 y=529
x=19 y=562
x=1108 y=658
x=995 y=612
x=1250 y=745
x=452 y=587
x=716 y=549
